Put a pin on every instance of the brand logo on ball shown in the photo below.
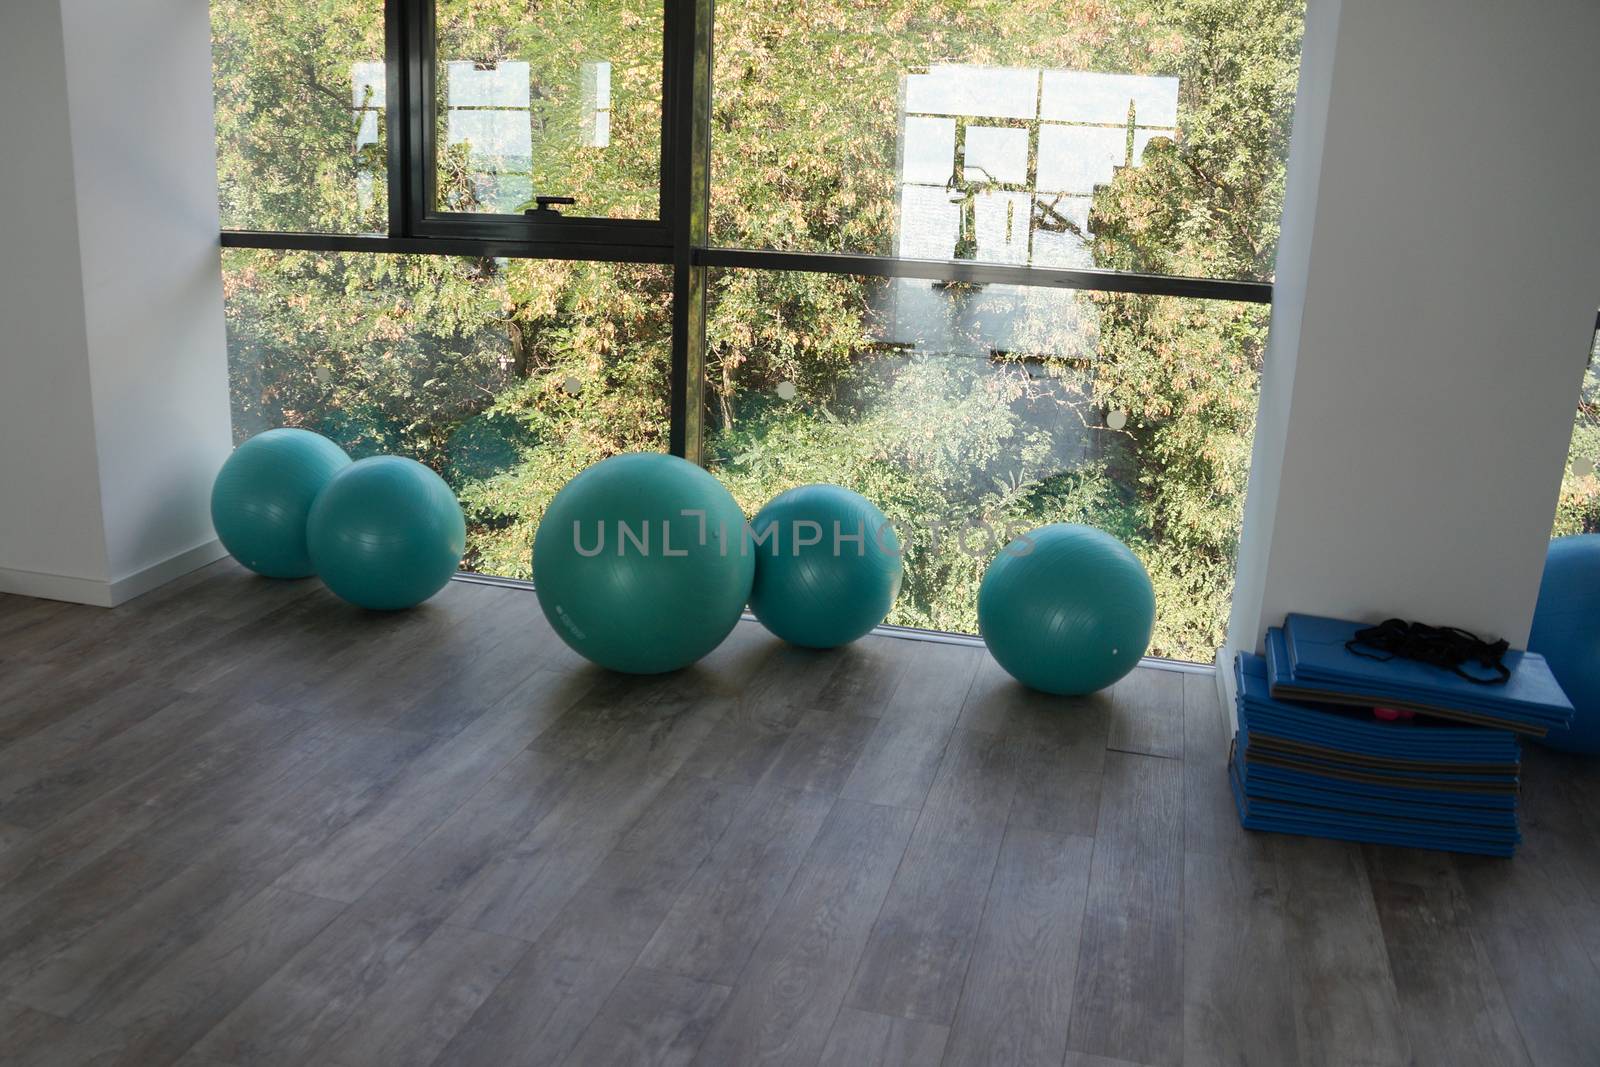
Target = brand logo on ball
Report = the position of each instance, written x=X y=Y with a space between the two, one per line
x=980 y=540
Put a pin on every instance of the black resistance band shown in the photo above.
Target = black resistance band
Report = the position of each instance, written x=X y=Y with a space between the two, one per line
x=1443 y=646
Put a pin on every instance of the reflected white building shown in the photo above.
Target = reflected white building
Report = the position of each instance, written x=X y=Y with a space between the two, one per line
x=1000 y=164
x=489 y=109
x=368 y=95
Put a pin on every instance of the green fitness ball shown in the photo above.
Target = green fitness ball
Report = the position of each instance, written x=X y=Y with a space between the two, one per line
x=386 y=534
x=263 y=494
x=827 y=566
x=640 y=563
x=1066 y=609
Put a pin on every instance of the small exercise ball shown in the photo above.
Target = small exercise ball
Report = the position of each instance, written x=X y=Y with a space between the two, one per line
x=1566 y=632
x=640 y=563
x=827 y=566
x=386 y=533
x=263 y=495
x=1066 y=609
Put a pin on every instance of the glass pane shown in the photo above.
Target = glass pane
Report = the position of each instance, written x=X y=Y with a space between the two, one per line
x=1125 y=135
x=505 y=376
x=972 y=413
x=299 y=98
x=549 y=99
x=1579 y=508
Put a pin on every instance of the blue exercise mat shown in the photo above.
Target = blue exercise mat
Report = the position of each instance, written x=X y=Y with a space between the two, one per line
x=1332 y=792
x=1503 y=789
x=1259 y=789
x=1284 y=684
x=1281 y=817
x=1356 y=731
x=1318 y=657
x=1312 y=821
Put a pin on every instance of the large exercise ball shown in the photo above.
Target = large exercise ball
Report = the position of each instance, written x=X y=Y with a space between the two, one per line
x=827 y=566
x=1566 y=632
x=386 y=533
x=263 y=495
x=1066 y=609
x=640 y=563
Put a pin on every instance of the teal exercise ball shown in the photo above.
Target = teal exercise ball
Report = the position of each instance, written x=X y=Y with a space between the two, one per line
x=263 y=495
x=1066 y=609
x=640 y=563
x=1566 y=632
x=827 y=566
x=386 y=533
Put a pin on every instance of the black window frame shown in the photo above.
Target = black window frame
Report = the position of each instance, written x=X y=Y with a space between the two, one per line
x=678 y=237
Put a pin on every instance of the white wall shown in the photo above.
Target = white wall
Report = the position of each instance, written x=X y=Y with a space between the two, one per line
x=1438 y=277
x=50 y=519
x=139 y=82
x=113 y=382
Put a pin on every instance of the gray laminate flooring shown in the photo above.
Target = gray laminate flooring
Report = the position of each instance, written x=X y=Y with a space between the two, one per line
x=242 y=823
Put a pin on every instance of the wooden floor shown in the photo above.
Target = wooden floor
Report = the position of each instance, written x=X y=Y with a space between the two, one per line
x=241 y=823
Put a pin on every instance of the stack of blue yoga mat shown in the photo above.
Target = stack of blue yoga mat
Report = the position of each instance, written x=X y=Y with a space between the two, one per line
x=1308 y=660
x=1311 y=758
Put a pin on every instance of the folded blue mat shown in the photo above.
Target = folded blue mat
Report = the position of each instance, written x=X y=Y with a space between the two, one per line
x=1284 y=684
x=1274 y=816
x=1309 y=789
x=1501 y=793
x=1318 y=657
x=1356 y=731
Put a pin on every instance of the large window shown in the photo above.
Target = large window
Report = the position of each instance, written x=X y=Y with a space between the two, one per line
x=548 y=99
x=301 y=131
x=986 y=130
x=991 y=264
x=1579 y=508
x=970 y=414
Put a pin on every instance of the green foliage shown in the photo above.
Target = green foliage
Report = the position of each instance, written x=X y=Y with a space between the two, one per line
x=510 y=377
x=1579 y=508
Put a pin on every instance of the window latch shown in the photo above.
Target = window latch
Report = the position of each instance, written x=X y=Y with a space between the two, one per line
x=546 y=205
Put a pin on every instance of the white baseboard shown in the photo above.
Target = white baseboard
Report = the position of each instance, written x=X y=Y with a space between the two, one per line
x=159 y=574
x=103 y=594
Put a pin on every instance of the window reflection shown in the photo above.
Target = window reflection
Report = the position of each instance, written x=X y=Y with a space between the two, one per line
x=1000 y=164
x=544 y=99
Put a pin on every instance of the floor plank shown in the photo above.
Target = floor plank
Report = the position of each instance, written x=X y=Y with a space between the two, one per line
x=1237 y=1008
x=651 y=1019
x=1544 y=970
x=431 y=789
x=410 y=1020
x=917 y=957
x=305 y=1003
x=899 y=761
x=1210 y=819
x=1128 y=998
x=245 y=741
x=716 y=921
x=194 y=991
x=1059 y=773
x=789 y=993
x=821 y=751
x=30 y=1038
x=111 y=963
x=862 y=1039
x=548 y=1001
x=523 y=888
x=1017 y=995
x=36 y=932
x=865 y=674
x=1147 y=713
x=1453 y=1009
x=1347 y=1007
